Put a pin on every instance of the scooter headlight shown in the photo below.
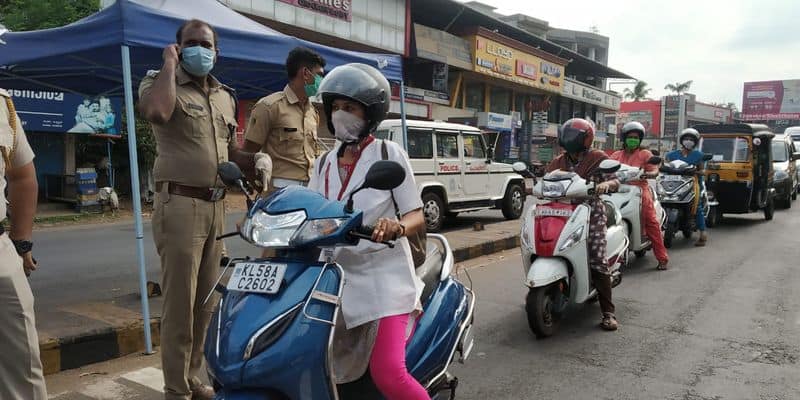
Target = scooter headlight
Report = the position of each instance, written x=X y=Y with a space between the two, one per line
x=573 y=238
x=554 y=189
x=265 y=230
x=781 y=175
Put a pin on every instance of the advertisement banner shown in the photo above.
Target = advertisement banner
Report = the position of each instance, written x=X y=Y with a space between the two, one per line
x=46 y=111
x=498 y=60
x=771 y=100
x=339 y=9
x=672 y=117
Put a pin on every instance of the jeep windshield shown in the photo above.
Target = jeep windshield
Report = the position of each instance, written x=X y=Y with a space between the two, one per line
x=729 y=149
x=779 y=153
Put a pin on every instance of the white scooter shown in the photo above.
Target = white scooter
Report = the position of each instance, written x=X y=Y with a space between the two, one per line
x=555 y=251
x=629 y=202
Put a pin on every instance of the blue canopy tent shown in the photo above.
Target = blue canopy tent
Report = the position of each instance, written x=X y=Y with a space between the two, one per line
x=110 y=51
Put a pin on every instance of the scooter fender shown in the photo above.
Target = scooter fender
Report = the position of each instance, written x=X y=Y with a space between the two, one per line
x=546 y=270
x=673 y=216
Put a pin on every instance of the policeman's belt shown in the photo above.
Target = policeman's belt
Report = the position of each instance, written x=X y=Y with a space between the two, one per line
x=282 y=183
x=206 y=194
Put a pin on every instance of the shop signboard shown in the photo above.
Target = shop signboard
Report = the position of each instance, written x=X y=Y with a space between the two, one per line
x=495 y=121
x=771 y=100
x=498 y=60
x=429 y=96
x=339 y=9
x=436 y=45
x=587 y=94
x=51 y=111
x=645 y=117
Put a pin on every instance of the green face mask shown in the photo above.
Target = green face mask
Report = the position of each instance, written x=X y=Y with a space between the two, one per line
x=311 y=88
x=632 y=143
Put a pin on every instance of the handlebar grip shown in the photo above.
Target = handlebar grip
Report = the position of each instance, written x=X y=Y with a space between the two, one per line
x=365 y=232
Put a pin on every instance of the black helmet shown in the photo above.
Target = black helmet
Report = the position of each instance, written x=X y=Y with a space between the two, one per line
x=360 y=83
x=632 y=126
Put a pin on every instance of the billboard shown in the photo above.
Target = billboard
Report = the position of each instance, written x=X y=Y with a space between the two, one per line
x=340 y=9
x=647 y=112
x=48 y=111
x=771 y=100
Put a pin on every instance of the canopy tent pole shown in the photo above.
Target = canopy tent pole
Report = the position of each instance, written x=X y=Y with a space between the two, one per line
x=137 y=200
x=110 y=167
x=403 y=113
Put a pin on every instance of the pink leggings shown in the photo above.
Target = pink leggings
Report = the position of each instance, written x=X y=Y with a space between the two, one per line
x=388 y=361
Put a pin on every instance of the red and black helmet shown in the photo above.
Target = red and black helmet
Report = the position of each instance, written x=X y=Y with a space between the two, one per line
x=576 y=135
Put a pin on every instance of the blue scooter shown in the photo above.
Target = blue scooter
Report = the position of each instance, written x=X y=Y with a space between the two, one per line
x=272 y=335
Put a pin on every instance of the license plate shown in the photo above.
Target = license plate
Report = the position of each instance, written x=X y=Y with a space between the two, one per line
x=257 y=277
x=672 y=178
x=551 y=212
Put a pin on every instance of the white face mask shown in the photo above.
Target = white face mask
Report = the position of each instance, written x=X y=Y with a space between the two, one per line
x=347 y=127
x=688 y=144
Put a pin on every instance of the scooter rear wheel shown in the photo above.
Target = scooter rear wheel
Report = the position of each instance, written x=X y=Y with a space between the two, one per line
x=540 y=307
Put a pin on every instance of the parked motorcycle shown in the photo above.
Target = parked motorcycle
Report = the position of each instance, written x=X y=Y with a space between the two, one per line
x=272 y=335
x=554 y=247
x=629 y=202
x=676 y=191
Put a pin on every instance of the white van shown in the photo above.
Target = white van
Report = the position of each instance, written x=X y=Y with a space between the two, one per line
x=454 y=170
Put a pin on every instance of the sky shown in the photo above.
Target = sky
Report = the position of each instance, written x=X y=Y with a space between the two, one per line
x=717 y=44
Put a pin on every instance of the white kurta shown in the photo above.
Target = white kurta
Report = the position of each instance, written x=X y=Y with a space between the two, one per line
x=379 y=281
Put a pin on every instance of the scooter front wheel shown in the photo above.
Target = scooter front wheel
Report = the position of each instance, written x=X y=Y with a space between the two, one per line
x=540 y=306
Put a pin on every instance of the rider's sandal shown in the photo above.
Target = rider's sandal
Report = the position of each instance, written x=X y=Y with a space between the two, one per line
x=701 y=242
x=662 y=266
x=609 y=322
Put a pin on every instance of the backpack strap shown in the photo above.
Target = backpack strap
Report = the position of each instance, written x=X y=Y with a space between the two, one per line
x=322 y=162
x=384 y=157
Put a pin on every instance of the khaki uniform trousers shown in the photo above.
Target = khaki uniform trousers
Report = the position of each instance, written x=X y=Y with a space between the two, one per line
x=185 y=231
x=21 y=376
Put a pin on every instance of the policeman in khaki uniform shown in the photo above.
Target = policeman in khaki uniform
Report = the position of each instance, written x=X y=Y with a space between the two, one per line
x=21 y=374
x=193 y=117
x=284 y=124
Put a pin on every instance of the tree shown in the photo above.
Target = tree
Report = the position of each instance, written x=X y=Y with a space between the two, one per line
x=678 y=87
x=639 y=92
x=28 y=15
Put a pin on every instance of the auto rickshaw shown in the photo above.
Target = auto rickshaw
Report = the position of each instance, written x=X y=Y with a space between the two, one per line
x=739 y=175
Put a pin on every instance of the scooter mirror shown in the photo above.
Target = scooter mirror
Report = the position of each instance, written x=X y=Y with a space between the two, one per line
x=708 y=157
x=230 y=173
x=655 y=160
x=609 y=166
x=519 y=166
x=384 y=175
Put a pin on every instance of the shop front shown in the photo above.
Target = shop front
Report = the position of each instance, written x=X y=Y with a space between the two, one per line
x=72 y=138
x=597 y=105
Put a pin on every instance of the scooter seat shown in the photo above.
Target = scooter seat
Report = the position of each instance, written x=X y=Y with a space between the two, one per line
x=430 y=271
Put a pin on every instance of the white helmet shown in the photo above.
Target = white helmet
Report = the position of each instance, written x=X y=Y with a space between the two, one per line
x=692 y=133
x=3 y=30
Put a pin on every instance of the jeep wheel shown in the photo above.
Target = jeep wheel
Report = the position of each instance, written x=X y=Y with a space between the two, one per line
x=433 y=208
x=513 y=202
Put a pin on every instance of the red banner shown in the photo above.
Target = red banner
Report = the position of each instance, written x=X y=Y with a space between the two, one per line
x=771 y=100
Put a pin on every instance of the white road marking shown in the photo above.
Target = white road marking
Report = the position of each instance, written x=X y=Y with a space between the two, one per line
x=150 y=377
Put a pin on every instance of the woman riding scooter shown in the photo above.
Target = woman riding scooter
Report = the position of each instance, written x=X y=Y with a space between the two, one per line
x=686 y=152
x=381 y=284
x=634 y=155
x=576 y=137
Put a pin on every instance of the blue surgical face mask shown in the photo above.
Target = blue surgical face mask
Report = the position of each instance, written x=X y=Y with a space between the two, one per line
x=197 y=60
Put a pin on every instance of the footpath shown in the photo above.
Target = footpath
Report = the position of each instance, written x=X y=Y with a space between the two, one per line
x=74 y=336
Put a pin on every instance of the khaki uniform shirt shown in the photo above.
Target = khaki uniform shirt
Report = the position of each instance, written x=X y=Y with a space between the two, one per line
x=16 y=145
x=196 y=138
x=287 y=131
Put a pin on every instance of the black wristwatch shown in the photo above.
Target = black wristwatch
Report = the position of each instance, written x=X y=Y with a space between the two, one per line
x=23 y=246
